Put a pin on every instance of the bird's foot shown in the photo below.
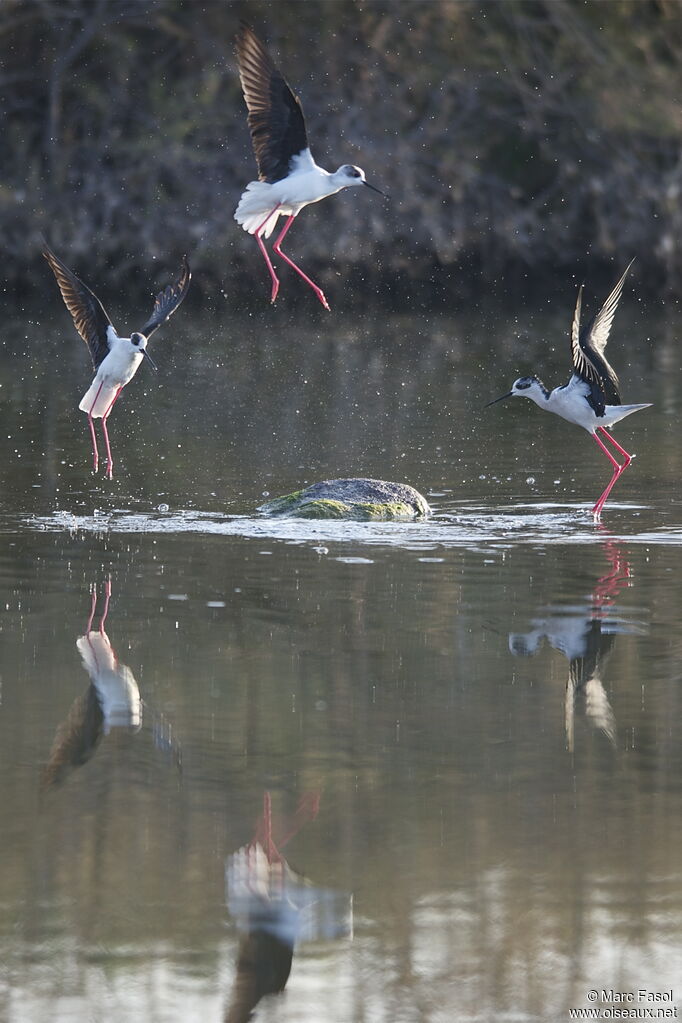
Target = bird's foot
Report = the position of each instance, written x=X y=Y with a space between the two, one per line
x=275 y=290
x=110 y=469
x=320 y=294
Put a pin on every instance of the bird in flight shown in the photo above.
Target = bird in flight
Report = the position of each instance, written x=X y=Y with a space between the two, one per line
x=115 y=359
x=288 y=177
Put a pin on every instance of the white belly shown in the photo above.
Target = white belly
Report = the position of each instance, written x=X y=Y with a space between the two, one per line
x=115 y=372
x=285 y=198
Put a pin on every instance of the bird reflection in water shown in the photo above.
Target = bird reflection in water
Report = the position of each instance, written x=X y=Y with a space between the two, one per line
x=275 y=908
x=585 y=634
x=111 y=702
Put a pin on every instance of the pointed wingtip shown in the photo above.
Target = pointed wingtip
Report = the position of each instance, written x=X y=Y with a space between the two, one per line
x=244 y=33
x=46 y=251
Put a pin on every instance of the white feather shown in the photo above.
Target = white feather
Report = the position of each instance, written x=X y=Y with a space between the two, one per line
x=115 y=371
x=117 y=690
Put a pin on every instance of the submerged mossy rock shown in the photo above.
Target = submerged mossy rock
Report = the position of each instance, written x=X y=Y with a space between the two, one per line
x=359 y=499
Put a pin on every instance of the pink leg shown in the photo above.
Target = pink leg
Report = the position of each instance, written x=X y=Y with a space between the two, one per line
x=261 y=246
x=107 y=598
x=609 y=436
x=307 y=810
x=110 y=461
x=609 y=585
x=264 y=831
x=91 y=424
x=276 y=248
x=93 y=605
x=618 y=468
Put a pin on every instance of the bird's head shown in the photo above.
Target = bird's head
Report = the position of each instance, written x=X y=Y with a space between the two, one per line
x=349 y=175
x=525 y=387
x=138 y=343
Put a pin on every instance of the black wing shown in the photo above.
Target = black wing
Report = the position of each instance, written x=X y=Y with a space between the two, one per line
x=588 y=347
x=89 y=316
x=168 y=300
x=598 y=645
x=275 y=114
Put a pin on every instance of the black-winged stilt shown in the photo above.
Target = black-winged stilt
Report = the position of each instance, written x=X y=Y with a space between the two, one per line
x=115 y=359
x=288 y=177
x=584 y=631
x=591 y=398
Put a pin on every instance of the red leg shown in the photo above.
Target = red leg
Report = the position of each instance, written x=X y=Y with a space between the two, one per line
x=618 y=468
x=107 y=598
x=264 y=831
x=276 y=248
x=609 y=436
x=110 y=461
x=91 y=424
x=611 y=583
x=93 y=605
x=307 y=810
x=261 y=246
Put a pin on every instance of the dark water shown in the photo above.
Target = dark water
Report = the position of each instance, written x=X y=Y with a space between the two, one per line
x=443 y=756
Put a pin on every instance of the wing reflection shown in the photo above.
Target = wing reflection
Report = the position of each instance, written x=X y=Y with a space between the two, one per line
x=275 y=908
x=585 y=634
x=111 y=701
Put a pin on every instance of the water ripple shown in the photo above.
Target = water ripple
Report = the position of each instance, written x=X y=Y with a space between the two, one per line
x=457 y=525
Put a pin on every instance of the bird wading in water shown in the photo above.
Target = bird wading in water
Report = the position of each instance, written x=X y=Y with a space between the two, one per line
x=591 y=398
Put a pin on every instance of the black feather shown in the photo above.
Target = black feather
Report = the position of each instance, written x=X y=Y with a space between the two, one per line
x=168 y=300
x=89 y=316
x=275 y=114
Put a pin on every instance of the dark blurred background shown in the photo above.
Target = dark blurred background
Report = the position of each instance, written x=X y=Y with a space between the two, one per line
x=516 y=139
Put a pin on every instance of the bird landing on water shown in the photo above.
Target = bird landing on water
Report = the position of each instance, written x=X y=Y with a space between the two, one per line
x=115 y=359
x=591 y=398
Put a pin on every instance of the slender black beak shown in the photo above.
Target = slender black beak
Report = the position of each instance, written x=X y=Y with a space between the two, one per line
x=375 y=189
x=149 y=358
x=508 y=395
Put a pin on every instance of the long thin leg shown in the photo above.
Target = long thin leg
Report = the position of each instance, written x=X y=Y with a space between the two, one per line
x=609 y=436
x=261 y=245
x=307 y=810
x=91 y=424
x=93 y=605
x=110 y=461
x=610 y=584
x=264 y=831
x=276 y=248
x=618 y=469
x=107 y=598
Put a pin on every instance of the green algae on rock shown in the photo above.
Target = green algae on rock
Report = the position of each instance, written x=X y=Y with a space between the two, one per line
x=363 y=500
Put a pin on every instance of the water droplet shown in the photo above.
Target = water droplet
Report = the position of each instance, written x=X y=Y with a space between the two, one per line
x=162 y=508
x=530 y=480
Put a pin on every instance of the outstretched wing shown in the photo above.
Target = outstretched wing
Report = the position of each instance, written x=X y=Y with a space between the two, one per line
x=168 y=300
x=588 y=346
x=275 y=114
x=89 y=316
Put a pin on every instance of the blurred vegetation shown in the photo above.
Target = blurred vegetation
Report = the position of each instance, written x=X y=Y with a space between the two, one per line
x=513 y=137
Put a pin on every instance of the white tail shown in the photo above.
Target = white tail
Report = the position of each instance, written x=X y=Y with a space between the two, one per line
x=253 y=207
x=98 y=398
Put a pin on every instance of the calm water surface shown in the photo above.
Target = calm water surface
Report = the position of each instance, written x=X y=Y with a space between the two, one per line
x=441 y=760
